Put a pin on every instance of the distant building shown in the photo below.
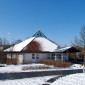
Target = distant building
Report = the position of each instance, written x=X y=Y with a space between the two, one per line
x=36 y=48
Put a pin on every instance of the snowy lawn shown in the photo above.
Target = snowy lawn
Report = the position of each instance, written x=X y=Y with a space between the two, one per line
x=27 y=81
x=73 y=79
x=34 y=67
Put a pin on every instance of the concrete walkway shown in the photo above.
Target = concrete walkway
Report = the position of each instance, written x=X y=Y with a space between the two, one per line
x=4 y=76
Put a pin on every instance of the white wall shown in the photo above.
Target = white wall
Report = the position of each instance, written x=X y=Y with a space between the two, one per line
x=28 y=57
x=20 y=58
x=8 y=55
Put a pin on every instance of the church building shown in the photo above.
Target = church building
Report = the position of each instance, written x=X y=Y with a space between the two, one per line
x=37 y=48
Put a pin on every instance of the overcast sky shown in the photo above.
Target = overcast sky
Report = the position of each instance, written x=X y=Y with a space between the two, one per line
x=59 y=20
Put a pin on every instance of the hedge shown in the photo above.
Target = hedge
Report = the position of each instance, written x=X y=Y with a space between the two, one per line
x=56 y=63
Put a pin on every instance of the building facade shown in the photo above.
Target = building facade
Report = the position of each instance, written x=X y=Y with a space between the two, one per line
x=37 y=48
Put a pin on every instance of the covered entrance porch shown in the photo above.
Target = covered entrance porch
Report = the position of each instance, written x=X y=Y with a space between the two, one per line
x=64 y=54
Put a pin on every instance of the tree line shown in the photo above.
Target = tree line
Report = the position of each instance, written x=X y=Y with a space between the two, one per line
x=80 y=42
x=4 y=44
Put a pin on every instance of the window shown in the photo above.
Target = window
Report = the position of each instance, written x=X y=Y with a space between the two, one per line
x=53 y=54
x=58 y=56
x=48 y=57
x=33 y=56
x=53 y=58
x=37 y=57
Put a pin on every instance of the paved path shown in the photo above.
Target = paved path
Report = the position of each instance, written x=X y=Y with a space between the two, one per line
x=4 y=76
x=53 y=79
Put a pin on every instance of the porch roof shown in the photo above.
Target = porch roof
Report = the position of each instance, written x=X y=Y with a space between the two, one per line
x=67 y=50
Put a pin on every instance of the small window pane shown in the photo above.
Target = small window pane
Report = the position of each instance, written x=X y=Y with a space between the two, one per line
x=37 y=57
x=33 y=57
x=48 y=57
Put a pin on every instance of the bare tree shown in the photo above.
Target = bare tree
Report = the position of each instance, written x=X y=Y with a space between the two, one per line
x=82 y=36
x=80 y=42
x=4 y=43
x=16 y=42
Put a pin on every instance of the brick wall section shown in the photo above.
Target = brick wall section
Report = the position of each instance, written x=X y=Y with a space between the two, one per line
x=12 y=61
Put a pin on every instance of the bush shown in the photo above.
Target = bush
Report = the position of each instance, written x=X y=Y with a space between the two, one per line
x=11 y=61
x=56 y=63
x=35 y=67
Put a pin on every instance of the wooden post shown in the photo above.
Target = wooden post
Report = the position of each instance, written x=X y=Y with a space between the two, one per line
x=55 y=56
x=62 y=57
x=84 y=60
x=84 y=65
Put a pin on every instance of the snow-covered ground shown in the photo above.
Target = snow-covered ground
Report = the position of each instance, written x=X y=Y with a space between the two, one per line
x=18 y=68
x=73 y=79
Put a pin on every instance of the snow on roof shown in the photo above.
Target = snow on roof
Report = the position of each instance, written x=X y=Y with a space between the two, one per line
x=46 y=44
x=20 y=46
x=62 y=49
x=38 y=41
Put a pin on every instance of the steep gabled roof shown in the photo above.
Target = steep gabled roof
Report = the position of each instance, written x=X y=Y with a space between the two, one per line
x=37 y=43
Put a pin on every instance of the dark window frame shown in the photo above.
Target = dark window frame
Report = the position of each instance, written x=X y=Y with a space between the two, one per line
x=33 y=56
